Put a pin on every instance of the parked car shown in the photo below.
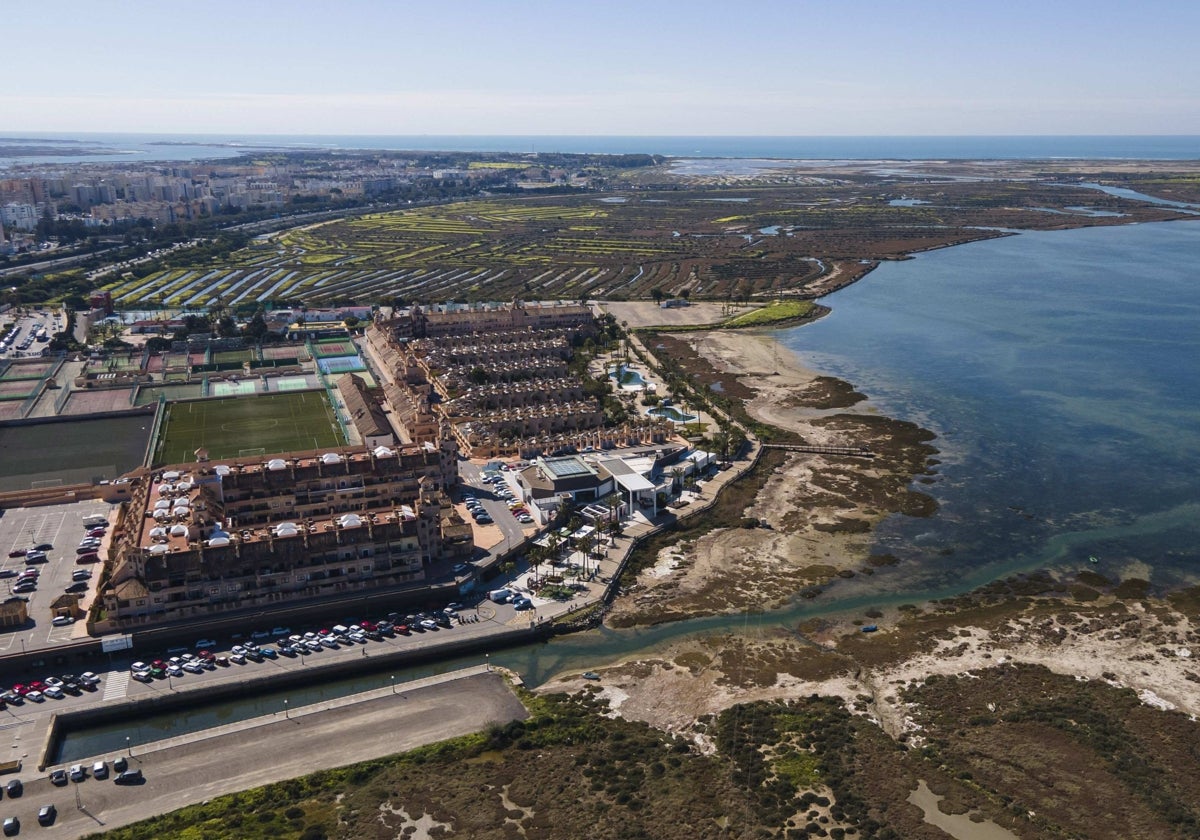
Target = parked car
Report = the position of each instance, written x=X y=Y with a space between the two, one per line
x=90 y=557
x=89 y=678
x=53 y=692
x=81 y=574
x=120 y=764
x=47 y=815
x=129 y=777
x=205 y=643
x=8 y=573
x=62 y=620
x=43 y=547
x=100 y=770
x=17 y=552
x=14 y=788
x=58 y=777
x=12 y=826
x=78 y=773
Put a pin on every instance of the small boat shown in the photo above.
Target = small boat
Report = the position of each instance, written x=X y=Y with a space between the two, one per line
x=870 y=628
x=1093 y=559
x=590 y=675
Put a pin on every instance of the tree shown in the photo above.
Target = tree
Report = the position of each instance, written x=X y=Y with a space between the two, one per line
x=351 y=321
x=585 y=544
x=657 y=294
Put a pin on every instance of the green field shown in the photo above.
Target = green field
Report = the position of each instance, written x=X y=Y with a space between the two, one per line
x=234 y=426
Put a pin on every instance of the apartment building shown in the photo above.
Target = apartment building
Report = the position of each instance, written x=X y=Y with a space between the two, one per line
x=216 y=537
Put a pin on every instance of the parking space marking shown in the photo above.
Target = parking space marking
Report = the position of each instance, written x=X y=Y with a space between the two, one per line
x=116 y=686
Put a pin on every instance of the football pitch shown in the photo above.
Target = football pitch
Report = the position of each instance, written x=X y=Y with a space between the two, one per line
x=246 y=425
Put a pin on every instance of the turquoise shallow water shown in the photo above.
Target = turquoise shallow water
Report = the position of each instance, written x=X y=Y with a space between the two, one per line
x=1061 y=372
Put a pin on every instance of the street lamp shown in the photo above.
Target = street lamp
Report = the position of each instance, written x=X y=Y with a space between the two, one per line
x=285 y=709
x=128 y=748
x=487 y=661
x=393 y=679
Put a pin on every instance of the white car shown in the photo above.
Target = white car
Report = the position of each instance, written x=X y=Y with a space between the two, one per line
x=237 y=659
x=62 y=620
x=174 y=671
x=139 y=667
x=193 y=667
x=54 y=682
x=142 y=676
x=54 y=692
x=35 y=697
x=89 y=678
x=77 y=773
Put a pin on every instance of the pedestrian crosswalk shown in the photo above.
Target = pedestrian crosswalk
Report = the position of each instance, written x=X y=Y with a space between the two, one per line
x=117 y=685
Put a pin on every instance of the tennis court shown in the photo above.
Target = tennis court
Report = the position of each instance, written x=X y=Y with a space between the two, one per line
x=19 y=370
x=287 y=352
x=335 y=347
x=224 y=357
x=230 y=389
x=147 y=394
x=228 y=427
x=96 y=401
x=341 y=364
x=293 y=383
x=17 y=389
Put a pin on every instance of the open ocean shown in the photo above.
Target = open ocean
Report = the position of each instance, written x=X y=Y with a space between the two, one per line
x=176 y=147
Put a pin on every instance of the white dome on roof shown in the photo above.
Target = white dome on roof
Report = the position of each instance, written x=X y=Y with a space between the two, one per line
x=166 y=489
x=181 y=510
x=158 y=531
x=182 y=501
x=217 y=542
x=350 y=520
x=171 y=475
x=179 y=531
x=162 y=513
x=221 y=469
x=331 y=458
x=162 y=504
x=384 y=452
x=159 y=549
x=277 y=464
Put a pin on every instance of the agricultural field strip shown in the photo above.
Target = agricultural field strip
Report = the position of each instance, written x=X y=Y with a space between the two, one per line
x=263 y=281
x=204 y=278
x=267 y=294
x=205 y=293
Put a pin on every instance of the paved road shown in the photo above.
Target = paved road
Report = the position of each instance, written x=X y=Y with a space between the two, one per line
x=210 y=764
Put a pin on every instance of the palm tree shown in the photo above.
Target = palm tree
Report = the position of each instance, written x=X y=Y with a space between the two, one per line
x=585 y=544
x=676 y=478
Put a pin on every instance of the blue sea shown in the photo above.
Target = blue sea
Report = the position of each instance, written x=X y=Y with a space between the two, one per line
x=1061 y=373
x=174 y=147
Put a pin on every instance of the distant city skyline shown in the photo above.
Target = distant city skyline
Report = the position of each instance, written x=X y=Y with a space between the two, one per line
x=620 y=68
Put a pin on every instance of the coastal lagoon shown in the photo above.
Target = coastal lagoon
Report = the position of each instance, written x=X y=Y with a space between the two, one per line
x=1061 y=373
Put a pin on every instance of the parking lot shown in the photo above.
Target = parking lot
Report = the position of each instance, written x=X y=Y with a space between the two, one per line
x=25 y=344
x=60 y=526
x=507 y=529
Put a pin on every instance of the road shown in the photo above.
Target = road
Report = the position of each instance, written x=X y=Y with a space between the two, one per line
x=195 y=768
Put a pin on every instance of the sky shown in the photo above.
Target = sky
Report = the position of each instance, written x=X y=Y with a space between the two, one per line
x=624 y=67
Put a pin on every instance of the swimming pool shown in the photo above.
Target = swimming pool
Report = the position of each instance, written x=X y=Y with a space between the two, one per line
x=671 y=413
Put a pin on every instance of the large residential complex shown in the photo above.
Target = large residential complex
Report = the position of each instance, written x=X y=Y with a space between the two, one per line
x=497 y=375
x=211 y=537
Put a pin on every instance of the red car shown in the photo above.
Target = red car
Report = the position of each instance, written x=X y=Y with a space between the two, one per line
x=37 y=685
x=21 y=690
x=369 y=625
x=97 y=532
x=17 y=552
